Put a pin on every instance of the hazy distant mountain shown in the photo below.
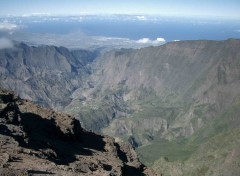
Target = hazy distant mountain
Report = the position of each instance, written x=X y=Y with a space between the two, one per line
x=44 y=74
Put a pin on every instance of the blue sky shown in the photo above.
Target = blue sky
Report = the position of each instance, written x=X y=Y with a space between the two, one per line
x=223 y=8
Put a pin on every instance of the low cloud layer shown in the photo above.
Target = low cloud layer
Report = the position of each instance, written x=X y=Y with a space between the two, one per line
x=141 y=18
x=5 y=26
x=149 y=41
x=5 y=43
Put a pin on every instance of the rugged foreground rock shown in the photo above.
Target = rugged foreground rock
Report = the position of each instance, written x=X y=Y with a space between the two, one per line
x=39 y=141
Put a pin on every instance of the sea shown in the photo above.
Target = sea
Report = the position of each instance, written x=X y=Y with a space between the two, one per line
x=128 y=27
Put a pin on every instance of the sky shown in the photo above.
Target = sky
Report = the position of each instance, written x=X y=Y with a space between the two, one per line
x=211 y=8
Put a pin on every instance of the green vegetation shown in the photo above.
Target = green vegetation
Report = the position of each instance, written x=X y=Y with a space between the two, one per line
x=177 y=150
x=206 y=152
x=178 y=102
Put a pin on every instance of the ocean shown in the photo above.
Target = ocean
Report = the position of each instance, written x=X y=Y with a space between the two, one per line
x=168 y=28
x=126 y=27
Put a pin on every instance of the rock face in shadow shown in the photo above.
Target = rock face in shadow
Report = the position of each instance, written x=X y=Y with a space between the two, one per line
x=39 y=141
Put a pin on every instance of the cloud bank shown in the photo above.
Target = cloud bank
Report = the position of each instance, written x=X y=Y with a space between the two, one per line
x=141 y=18
x=149 y=41
x=5 y=26
x=5 y=43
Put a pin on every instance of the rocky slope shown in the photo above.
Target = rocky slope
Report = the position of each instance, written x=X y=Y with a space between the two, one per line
x=36 y=140
x=46 y=75
x=169 y=101
x=175 y=88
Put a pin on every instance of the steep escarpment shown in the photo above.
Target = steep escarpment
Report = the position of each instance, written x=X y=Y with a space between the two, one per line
x=179 y=86
x=169 y=101
x=173 y=102
x=36 y=140
x=46 y=75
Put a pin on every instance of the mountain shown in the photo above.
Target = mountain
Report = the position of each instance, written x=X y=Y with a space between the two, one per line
x=162 y=84
x=172 y=101
x=46 y=75
x=178 y=103
x=36 y=140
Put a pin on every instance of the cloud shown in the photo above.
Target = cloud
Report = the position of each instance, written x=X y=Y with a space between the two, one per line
x=36 y=14
x=149 y=41
x=144 y=40
x=106 y=39
x=5 y=43
x=160 y=40
x=6 y=26
x=142 y=18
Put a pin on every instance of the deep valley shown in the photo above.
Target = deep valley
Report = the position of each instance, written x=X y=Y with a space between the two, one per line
x=177 y=104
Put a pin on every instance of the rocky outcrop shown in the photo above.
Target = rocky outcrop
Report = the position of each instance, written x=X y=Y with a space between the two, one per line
x=36 y=140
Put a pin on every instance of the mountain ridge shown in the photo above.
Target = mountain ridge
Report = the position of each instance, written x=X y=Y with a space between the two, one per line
x=34 y=71
x=158 y=75
x=168 y=101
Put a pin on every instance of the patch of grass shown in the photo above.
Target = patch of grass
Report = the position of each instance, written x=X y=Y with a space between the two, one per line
x=176 y=150
x=182 y=149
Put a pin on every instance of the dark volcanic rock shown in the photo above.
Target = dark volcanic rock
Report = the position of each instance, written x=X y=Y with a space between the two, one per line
x=36 y=140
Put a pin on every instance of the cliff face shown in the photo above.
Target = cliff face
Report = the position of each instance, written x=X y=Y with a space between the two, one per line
x=177 y=103
x=46 y=75
x=174 y=89
x=174 y=102
x=36 y=140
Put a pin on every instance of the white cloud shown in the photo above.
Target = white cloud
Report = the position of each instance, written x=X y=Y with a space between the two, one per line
x=144 y=40
x=36 y=14
x=6 y=26
x=40 y=14
x=105 y=39
x=149 y=41
x=5 y=43
x=143 y=18
x=176 y=40
x=160 y=40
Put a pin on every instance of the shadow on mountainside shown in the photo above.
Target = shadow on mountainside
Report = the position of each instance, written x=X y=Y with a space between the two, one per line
x=41 y=134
